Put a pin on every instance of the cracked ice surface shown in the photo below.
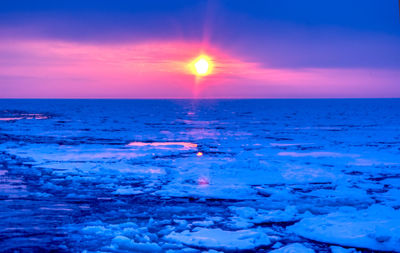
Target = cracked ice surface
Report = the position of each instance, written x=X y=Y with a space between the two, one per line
x=126 y=175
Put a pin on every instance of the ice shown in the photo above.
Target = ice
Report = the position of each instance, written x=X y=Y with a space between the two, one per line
x=193 y=176
x=316 y=154
x=95 y=230
x=206 y=223
x=391 y=197
x=127 y=191
x=293 y=248
x=221 y=239
x=344 y=193
x=124 y=243
x=337 y=249
x=251 y=215
x=288 y=144
x=376 y=228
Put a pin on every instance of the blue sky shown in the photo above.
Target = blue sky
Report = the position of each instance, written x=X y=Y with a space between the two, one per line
x=274 y=34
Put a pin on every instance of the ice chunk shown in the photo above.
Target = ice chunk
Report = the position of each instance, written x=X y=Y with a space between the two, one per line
x=376 y=228
x=205 y=223
x=94 y=230
x=337 y=249
x=124 y=243
x=127 y=191
x=251 y=215
x=293 y=248
x=244 y=212
x=221 y=239
x=391 y=197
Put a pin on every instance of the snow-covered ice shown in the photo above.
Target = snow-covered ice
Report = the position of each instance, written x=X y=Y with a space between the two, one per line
x=200 y=175
x=293 y=248
x=221 y=239
x=377 y=227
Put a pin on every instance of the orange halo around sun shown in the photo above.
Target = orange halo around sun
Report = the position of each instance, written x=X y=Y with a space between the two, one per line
x=201 y=66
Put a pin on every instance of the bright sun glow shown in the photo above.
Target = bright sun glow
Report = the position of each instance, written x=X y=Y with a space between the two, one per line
x=202 y=65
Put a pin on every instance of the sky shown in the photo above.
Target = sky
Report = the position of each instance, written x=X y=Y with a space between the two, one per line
x=143 y=49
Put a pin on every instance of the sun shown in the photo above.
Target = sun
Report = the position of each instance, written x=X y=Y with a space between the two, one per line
x=202 y=65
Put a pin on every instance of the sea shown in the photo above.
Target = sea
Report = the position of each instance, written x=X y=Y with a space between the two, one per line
x=201 y=175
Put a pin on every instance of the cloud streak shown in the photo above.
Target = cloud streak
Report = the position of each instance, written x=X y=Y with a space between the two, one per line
x=159 y=69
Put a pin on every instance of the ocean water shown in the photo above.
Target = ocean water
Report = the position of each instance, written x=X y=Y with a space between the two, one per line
x=308 y=175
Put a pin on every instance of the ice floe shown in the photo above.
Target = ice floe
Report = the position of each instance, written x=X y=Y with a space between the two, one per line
x=293 y=248
x=221 y=239
x=376 y=228
x=217 y=176
x=124 y=243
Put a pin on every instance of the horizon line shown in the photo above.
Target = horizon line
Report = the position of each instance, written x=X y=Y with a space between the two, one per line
x=188 y=98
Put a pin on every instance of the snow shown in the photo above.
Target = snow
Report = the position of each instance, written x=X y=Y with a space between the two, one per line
x=192 y=176
x=221 y=239
x=337 y=249
x=293 y=248
x=127 y=191
x=376 y=228
x=251 y=215
x=205 y=223
x=124 y=243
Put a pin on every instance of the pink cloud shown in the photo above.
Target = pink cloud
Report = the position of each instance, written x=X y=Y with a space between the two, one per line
x=160 y=69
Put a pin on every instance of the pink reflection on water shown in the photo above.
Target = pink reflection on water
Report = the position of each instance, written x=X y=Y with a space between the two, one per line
x=185 y=145
x=11 y=118
x=155 y=171
x=203 y=181
x=24 y=116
